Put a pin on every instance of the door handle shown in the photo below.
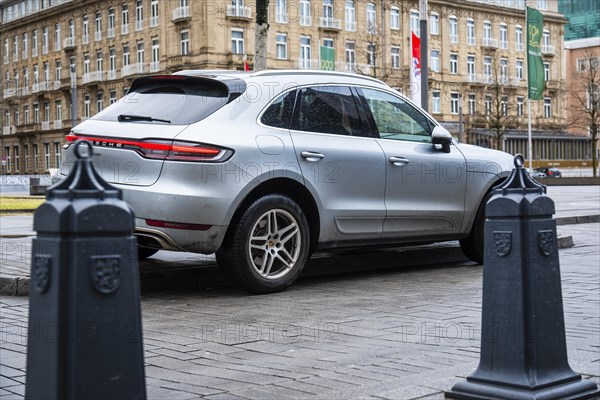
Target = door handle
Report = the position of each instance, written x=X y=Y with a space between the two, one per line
x=312 y=156
x=399 y=161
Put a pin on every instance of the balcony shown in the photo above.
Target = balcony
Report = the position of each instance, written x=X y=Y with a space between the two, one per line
x=45 y=86
x=6 y=93
x=305 y=20
x=351 y=26
x=139 y=25
x=9 y=130
x=238 y=12
x=45 y=125
x=69 y=43
x=124 y=29
x=58 y=124
x=330 y=23
x=57 y=45
x=519 y=46
x=25 y=91
x=489 y=43
x=554 y=85
x=111 y=32
x=24 y=54
x=307 y=64
x=453 y=38
x=93 y=77
x=34 y=52
x=45 y=49
x=6 y=59
x=471 y=41
x=112 y=74
x=548 y=50
x=155 y=66
x=181 y=14
x=85 y=39
x=503 y=44
x=98 y=36
x=133 y=69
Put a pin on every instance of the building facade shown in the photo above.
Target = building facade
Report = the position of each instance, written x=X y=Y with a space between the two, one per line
x=583 y=18
x=108 y=43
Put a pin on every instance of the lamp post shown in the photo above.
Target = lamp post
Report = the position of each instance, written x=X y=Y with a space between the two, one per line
x=73 y=97
x=424 y=58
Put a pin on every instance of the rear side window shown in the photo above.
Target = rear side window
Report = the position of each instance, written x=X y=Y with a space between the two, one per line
x=327 y=109
x=279 y=113
x=168 y=101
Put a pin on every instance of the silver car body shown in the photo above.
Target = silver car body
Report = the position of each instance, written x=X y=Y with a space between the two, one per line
x=366 y=191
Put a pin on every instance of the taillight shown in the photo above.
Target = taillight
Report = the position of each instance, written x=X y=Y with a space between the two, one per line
x=162 y=149
x=177 y=225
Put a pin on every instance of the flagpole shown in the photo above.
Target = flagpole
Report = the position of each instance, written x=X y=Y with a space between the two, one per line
x=529 y=141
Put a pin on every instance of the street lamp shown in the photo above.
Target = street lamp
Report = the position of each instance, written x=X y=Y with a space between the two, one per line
x=424 y=57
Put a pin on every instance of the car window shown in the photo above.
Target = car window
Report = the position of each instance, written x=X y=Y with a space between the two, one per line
x=327 y=109
x=395 y=118
x=279 y=113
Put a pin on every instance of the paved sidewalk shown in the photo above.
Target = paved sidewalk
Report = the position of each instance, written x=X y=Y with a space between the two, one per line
x=388 y=334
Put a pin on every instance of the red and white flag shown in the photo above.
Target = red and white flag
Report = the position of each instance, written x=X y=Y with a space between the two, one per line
x=246 y=66
x=415 y=69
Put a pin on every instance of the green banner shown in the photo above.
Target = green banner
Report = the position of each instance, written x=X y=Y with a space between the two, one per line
x=535 y=66
x=327 y=59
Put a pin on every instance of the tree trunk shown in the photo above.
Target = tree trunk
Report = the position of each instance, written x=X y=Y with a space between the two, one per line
x=262 y=30
x=594 y=135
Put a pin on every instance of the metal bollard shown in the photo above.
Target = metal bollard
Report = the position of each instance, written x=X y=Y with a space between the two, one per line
x=85 y=331
x=523 y=347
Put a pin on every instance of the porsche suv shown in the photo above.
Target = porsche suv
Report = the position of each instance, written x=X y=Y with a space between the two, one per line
x=263 y=168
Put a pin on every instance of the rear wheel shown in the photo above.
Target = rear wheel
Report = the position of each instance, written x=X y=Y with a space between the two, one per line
x=472 y=246
x=267 y=249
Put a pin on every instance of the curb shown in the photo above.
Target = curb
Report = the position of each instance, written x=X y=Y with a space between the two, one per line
x=584 y=219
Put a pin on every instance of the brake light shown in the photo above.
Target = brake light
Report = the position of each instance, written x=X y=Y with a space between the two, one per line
x=177 y=225
x=162 y=149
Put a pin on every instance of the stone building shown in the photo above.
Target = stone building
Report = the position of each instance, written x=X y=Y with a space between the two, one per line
x=109 y=43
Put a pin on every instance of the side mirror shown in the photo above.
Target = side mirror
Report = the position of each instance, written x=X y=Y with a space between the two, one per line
x=441 y=136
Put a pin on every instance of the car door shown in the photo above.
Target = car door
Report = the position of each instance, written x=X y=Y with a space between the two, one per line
x=341 y=163
x=425 y=186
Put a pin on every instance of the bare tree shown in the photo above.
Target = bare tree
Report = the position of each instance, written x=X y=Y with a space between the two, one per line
x=262 y=30
x=584 y=90
x=371 y=60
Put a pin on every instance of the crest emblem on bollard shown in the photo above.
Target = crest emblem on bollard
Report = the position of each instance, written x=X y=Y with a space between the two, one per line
x=502 y=243
x=41 y=277
x=546 y=242
x=106 y=273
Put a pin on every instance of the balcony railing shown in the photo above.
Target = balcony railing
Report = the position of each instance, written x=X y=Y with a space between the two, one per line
x=98 y=36
x=25 y=91
x=45 y=49
x=69 y=43
x=132 y=69
x=153 y=22
x=57 y=45
x=471 y=41
x=519 y=46
x=330 y=23
x=6 y=93
x=7 y=130
x=548 y=49
x=93 y=76
x=155 y=66
x=111 y=32
x=305 y=20
x=34 y=52
x=489 y=42
x=45 y=86
x=308 y=64
x=181 y=14
x=111 y=74
x=85 y=39
x=503 y=44
x=58 y=124
x=16 y=57
x=139 y=25
x=237 y=11
x=453 y=38
x=6 y=59
x=124 y=29
x=45 y=125
x=24 y=54
x=351 y=26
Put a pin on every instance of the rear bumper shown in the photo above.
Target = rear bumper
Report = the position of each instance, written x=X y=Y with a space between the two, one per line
x=205 y=242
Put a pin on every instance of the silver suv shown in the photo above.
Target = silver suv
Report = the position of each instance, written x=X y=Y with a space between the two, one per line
x=264 y=168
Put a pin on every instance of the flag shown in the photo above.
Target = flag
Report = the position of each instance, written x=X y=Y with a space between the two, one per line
x=535 y=66
x=415 y=70
x=246 y=66
x=327 y=58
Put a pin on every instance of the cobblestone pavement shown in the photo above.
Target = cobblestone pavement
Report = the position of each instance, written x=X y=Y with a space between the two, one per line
x=398 y=333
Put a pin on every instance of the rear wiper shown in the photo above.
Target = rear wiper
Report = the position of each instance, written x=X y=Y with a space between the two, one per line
x=122 y=118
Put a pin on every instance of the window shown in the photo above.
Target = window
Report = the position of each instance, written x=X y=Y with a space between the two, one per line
x=98 y=34
x=34 y=44
x=503 y=36
x=36 y=163
x=46 y=111
x=453 y=29
x=435 y=61
x=36 y=113
x=454 y=103
x=454 y=63
x=26 y=152
x=281 y=39
x=58 y=70
x=519 y=38
x=46 y=72
x=46 y=156
x=542 y=4
x=584 y=64
x=36 y=74
x=487 y=30
x=328 y=43
x=520 y=109
x=395 y=119
x=305 y=18
x=487 y=66
x=86 y=30
x=86 y=106
x=546 y=71
x=281 y=12
x=394 y=18
x=71 y=29
x=327 y=109
x=434 y=23
x=57 y=154
x=58 y=111
x=99 y=101
x=279 y=113
x=185 y=42
x=545 y=41
x=472 y=101
x=519 y=69
x=45 y=40
x=111 y=22
x=124 y=19
x=16 y=155
x=471 y=66
x=305 y=52
x=57 y=37
x=140 y=52
x=155 y=66
x=504 y=106
x=371 y=18
x=237 y=41
x=126 y=59
x=139 y=15
x=328 y=9
x=350 y=16
x=112 y=95
x=371 y=55
x=547 y=107
x=154 y=13
x=488 y=104
x=86 y=64
x=395 y=51
x=26 y=115
x=504 y=68
x=436 y=102
x=8 y=159
x=414 y=22
x=112 y=63
x=16 y=48
x=25 y=43
x=471 y=32
x=350 y=56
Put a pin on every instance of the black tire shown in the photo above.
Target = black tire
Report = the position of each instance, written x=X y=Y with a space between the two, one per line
x=145 y=252
x=472 y=246
x=271 y=264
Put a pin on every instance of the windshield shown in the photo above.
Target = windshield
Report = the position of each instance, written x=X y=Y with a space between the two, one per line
x=167 y=101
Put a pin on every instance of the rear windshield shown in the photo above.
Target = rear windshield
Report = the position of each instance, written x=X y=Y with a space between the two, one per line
x=175 y=102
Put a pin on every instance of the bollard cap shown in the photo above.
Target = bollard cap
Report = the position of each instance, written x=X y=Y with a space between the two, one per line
x=519 y=196
x=83 y=201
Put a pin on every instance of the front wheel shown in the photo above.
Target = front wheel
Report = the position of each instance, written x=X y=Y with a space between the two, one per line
x=267 y=249
x=473 y=245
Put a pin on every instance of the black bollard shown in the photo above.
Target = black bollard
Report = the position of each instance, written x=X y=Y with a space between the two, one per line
x=523 y=346
x=85 y=330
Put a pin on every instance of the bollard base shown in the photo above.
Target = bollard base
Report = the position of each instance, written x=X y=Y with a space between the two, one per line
x=574 y=390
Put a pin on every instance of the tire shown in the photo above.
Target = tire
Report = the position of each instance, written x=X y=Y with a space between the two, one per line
x=145 y=252
x=472 y=246
x=266 y=250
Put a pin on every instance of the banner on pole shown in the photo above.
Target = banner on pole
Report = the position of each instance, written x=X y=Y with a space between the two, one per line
x=415 y=69
x=535 y=65
x=327 y=59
